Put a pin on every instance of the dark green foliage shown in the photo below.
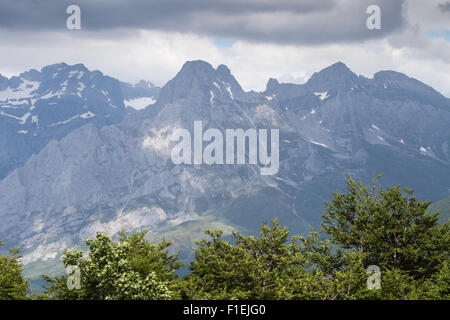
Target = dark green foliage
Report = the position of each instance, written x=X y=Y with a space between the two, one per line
x=268 y=267
x=12 y=284
x=391 y=227
x=387 y=228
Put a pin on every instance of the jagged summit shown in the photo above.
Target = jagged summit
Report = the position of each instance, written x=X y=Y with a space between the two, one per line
x=144 y=84
x=53 y=71
x=336 y=71
x=337 y=67
x=56 y=67
x=195 y=67
x=390 y=74
x=62 y=67
x=200 y=76
x=204 y=70
x=223 y=70
x=337 y=76
x=31 y=75
x=388 y=79
x=330 y=79
x=272 y=84
x=201 y=67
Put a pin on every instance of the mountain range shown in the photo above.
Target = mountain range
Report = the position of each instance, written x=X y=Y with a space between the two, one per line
x=83 y=152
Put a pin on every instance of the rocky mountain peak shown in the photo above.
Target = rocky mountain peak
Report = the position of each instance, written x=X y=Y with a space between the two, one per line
x=339 y=67
x=144 y=84
x=31 y=75
x=408 y=88
x=223 y=70
x=200 y=78
x=272 y=84
x=63 y=68
x=335 y=77
x=195 y=68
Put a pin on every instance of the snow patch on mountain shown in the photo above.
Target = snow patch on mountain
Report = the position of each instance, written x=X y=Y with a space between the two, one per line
x=87 y=115
x=21 y=119
x=140 y=103
x=23 y=91
x=322 y=95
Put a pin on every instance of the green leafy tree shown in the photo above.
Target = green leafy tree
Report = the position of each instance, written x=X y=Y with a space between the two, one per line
x=147 y=257
x=387 y=228
x=392 y=228
x=268 y=267
x=12 y=284
x=132 y=268
x=344 y=270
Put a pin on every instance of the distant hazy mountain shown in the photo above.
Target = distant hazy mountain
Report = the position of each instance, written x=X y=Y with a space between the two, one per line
x=117 y=172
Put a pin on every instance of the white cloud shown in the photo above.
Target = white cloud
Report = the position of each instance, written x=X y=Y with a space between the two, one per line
x=131 y=55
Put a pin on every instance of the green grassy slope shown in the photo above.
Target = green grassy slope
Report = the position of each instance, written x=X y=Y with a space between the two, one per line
x=444 y=207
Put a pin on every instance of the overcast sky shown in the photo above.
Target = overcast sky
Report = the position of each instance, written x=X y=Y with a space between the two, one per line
x=258 y=39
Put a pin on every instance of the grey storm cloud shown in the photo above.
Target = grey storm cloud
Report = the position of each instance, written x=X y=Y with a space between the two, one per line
x=281 y=21
x=445 y=7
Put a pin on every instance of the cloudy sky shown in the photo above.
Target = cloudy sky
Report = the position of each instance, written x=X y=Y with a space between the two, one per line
x=258 y=39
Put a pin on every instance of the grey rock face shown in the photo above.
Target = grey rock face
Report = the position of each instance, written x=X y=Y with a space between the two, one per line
x=102 y=177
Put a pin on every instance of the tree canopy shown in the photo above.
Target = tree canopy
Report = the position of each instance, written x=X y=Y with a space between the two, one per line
x=128 y=269
x=12 y=284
